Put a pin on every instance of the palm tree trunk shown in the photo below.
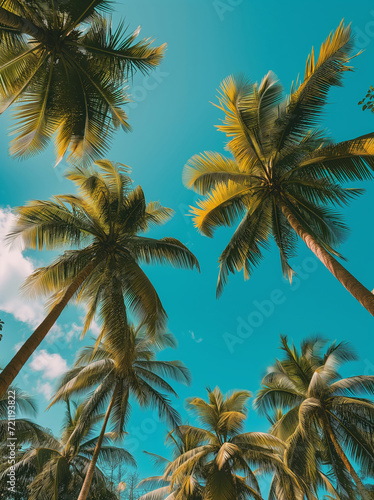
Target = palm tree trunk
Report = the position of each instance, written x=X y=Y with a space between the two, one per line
x=361 y=488
x=354 y=287
x=32 y=343
x=19 y=23
x=91 y=468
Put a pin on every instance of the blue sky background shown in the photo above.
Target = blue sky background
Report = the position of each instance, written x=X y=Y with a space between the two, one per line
x=172 y=120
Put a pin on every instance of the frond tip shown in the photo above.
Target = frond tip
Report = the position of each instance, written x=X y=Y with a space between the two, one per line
x=335 y=50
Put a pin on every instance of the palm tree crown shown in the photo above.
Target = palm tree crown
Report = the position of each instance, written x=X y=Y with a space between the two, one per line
x=121 y=367
x=104 y=225
x=324 y=420
x=23 y=403
x=222 y=452
x=160 y=486
x=66 y=68
x=284 y=173
x=57 y=466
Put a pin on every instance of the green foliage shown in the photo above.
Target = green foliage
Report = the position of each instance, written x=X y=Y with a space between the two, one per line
x=64 y=69
x=280 y=165
x=367 y=101
x=123 y=367
x=217 y=460
x=105 y=224
x=48 y=468
x=308 y=404
x=321 y=428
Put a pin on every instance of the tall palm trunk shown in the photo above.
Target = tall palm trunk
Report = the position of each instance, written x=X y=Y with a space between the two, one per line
x=354 y=287
x=91 y=468
x=12 y=20
x=32 y=343
x=361 y=488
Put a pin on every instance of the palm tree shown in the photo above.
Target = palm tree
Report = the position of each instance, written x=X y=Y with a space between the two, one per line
x=58 y=465
x=20 y=432
x=324 y=420
x=104 y=225
x=311 y=476
x=15 y=428
x=24 y=430
x=284 y=173
x=123 y=366
x=160 y=486
x=223 y=452
x=23 y=403
x=65 y=68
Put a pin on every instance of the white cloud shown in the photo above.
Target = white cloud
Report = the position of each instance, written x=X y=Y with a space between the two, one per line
x=95 y=329
x=51 y=365
x=18 y=346
x=56 y=333
x=14 y=269
x=46 y=389
x=194 y=337
x=60 y=336
x=73 y=332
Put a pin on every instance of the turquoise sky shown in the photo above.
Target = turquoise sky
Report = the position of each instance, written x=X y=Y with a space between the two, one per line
x=228 y=342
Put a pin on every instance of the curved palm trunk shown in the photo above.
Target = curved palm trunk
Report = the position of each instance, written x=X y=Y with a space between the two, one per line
x=32 y=343
x=19 y=23
x=354 y=287
x=361 y=488
x=91 y=468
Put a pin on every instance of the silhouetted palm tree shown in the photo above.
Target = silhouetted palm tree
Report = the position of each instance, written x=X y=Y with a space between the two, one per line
x=324 y=420
x=283 y=174
x=104 y=225
x=65 y=68
x=123 y=366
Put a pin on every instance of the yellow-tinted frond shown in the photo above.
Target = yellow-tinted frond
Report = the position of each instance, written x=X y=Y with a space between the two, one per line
x=156 y=214
x=221 y=207
x=203 y=172
x=241 y=103
x=338 y=41
x=226 y=453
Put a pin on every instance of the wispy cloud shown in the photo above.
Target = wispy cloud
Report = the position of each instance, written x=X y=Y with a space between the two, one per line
x=45 y=388
x=14 y=269
x=197 y=340
x=51 y=366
